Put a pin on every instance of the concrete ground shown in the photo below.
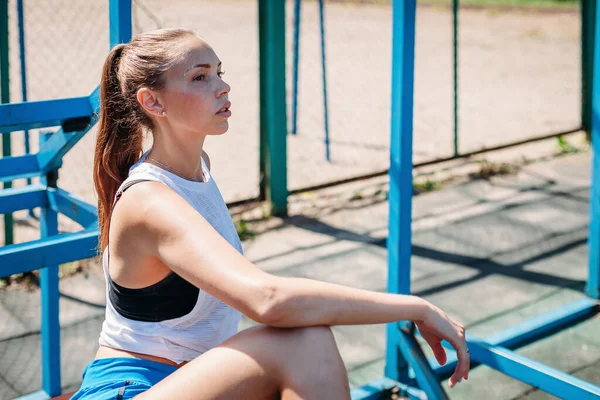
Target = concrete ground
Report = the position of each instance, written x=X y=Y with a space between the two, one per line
x=491 y=252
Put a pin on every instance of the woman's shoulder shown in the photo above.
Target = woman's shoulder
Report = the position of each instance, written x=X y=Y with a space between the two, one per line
x=147 y=205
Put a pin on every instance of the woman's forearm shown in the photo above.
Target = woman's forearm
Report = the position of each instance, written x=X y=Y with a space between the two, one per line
x=303 y=302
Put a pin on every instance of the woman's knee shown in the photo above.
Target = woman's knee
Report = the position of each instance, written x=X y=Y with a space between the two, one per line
x=317 y=337
x=312 y=345
x=293 y=346
x=313 y=336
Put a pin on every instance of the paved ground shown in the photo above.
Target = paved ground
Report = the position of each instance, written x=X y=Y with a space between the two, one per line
x=492 y=253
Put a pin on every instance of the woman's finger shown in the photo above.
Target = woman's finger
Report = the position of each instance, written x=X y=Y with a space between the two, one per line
x=439 y=352
x=463 y=366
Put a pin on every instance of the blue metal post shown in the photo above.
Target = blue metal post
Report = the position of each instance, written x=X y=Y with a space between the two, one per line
x=51 y=382
x=400 y=192
x=325 y=106
x=297 y=17
x=593 y=284
x=119 y=21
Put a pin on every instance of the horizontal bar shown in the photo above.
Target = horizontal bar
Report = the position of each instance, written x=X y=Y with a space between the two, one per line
x=527 y=331
x=12 y=178
x=534 y=373
x=382 y=388
x=54 y=250
x=41 y=114
x=22 y=198
x=545 y=324
x=72 y=206
x=19 y=165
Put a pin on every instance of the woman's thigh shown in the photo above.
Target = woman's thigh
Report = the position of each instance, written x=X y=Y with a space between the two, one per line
x=259 y=363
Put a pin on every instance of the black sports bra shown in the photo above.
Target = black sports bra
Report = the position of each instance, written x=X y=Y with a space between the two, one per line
x=170 y=298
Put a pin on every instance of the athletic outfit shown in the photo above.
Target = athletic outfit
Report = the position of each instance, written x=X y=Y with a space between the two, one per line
x=172 y=318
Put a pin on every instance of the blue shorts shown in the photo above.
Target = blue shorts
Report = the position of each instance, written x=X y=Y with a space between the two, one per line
x=120 y=378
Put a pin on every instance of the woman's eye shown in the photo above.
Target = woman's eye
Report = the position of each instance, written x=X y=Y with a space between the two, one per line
x=221 y=73
x=200 y=78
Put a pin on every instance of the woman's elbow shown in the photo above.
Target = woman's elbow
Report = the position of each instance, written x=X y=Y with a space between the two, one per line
x=271 y=308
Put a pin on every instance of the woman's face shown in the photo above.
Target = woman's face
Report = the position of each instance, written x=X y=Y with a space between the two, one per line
x=195 y=97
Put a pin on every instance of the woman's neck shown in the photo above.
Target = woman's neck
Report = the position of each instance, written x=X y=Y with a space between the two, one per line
x=183 y=160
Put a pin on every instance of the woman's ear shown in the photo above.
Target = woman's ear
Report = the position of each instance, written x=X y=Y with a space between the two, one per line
x=150 y=102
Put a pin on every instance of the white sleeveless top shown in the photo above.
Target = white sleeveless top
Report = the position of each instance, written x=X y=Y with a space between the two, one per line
x=211 y=321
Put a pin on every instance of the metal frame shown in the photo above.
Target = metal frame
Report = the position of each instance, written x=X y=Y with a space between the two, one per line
x=407 y=371
x=405 y=362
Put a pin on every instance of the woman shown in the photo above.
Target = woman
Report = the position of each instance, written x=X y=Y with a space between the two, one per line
x=178 y=282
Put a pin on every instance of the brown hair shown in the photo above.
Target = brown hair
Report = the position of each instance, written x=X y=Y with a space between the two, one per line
x=139 y=63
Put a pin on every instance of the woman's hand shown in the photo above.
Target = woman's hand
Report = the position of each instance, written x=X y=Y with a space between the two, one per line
x=437 y=326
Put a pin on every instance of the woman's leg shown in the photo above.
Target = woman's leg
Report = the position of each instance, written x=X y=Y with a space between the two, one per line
x=262 y=363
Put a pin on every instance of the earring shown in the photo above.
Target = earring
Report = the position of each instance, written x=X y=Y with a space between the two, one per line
x=164 y=113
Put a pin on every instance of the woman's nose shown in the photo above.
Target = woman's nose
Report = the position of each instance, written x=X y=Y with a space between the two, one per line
x=224 y=88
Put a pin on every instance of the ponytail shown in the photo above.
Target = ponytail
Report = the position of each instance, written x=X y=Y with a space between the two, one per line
x=140 y=63
x=118 y=144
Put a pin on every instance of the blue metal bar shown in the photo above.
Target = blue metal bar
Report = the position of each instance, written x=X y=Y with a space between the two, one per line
x=14 y=177
x=119 y=21
x=544 y=324
x=323 y=65
x=297 y=17
x=424 y=375
x=59 y=143
x=533 y=373
x=528 y=331
x=71 y=206
x=41 y=114
x=382 y=388
x=593 y=284
x=51 y=382
x=19 y=165
x=22 y=198
x=51 y=153
x=400 y=192
x=37 y=254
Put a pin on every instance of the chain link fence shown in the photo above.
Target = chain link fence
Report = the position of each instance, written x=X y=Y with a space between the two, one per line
x=519 y=77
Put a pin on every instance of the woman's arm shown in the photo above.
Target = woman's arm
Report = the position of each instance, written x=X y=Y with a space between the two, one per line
x=164 y=225
x=306 y=302
x=169 y=228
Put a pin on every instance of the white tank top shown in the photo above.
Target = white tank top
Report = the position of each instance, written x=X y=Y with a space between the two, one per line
x=211 y=321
